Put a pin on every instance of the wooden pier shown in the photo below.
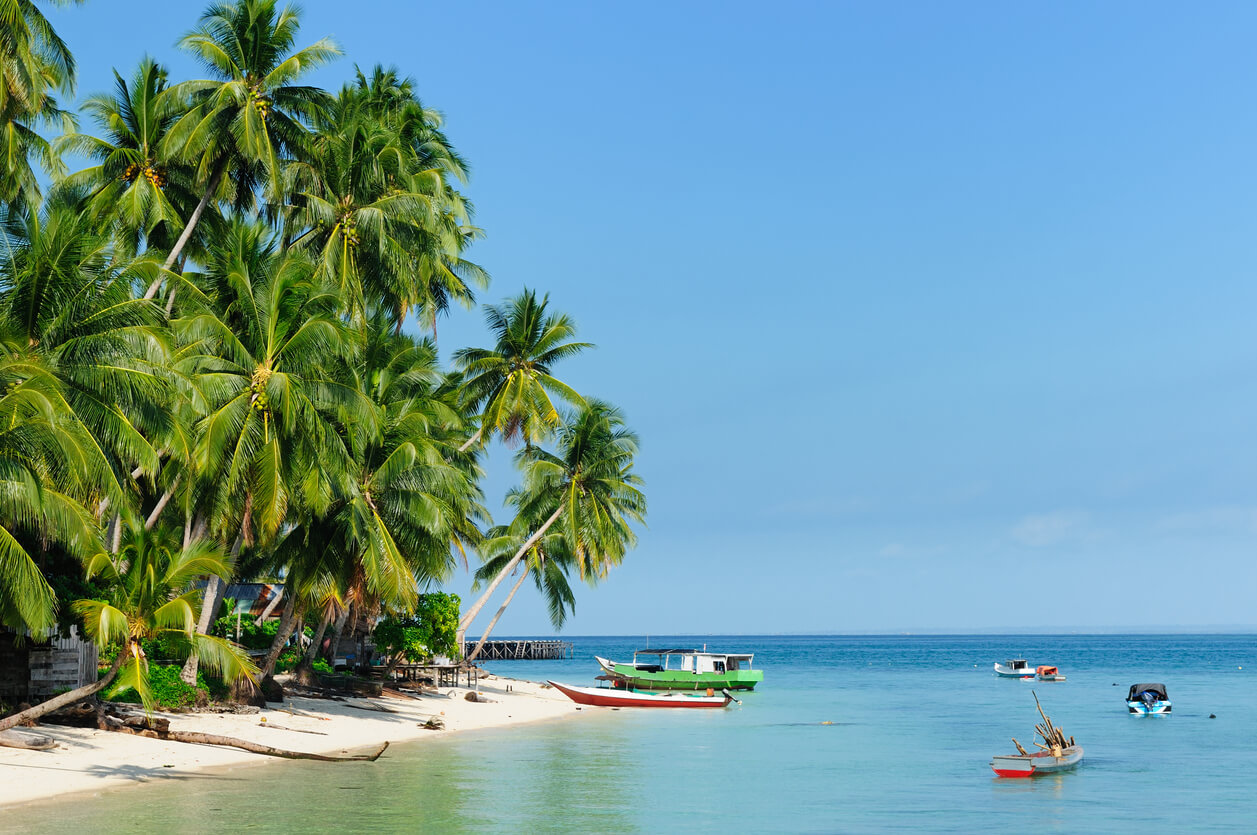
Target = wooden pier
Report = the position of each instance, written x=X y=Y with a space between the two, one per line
x=524 y=650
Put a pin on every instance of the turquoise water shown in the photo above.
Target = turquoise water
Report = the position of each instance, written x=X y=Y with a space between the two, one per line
x=915 y=721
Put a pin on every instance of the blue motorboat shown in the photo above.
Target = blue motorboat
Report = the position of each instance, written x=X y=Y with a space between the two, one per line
x=1148 y=699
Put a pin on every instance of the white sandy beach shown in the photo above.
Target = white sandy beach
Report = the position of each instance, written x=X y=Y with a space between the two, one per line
x=88 y=760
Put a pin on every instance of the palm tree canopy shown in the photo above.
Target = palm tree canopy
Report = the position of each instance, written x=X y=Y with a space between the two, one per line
x=136 y=185
x=250 y=113
x=511 y=383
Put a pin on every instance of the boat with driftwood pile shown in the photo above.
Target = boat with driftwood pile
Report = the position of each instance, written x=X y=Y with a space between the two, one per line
x=683 y=669
x=620 y=697
x=1058 y=752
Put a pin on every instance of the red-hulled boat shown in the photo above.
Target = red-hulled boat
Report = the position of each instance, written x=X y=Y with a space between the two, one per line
x=615 y=697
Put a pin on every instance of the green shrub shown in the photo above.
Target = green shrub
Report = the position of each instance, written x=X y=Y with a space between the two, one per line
x=321 y=666
x=170 y=691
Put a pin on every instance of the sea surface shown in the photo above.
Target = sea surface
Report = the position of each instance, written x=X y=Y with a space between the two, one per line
x=846 y=734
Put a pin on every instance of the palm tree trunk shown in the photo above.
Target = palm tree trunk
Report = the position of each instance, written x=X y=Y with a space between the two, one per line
x=57 y=702
x=506 y=569
x=339 y=629
x=161 y=505
x=215 y=179
x=472 y=440
x=286 y=623
x=312 y=651
x=214 y=589
x=484 y=636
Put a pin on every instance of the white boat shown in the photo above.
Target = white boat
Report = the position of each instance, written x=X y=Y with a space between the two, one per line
x=1014 y=668
x=1148 y=699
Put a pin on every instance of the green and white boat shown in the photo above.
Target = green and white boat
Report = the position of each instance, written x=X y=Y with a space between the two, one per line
x=683 y=669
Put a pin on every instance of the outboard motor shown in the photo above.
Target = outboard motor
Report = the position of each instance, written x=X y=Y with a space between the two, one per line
x=1149 y=698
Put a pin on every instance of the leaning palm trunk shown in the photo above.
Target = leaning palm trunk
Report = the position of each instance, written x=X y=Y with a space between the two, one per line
x=506 y=569
x=217 y=177
x=472 y=440
x=286 y=623
x=58 y=702
x=484 y=636
x=312 y=651
x=214 y=590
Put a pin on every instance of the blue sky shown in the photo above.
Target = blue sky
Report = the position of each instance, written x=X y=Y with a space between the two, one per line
x=917 y=307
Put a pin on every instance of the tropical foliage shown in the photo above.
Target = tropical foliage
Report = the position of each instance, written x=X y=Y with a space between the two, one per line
x=218 y=362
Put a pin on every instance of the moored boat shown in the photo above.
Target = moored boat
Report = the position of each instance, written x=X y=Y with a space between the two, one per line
x=1059 y=753
x=684 y=669
x=619 y=697
x=1014 y=668
x=1148 y=699
x=1044 y=762
x=1046 y=673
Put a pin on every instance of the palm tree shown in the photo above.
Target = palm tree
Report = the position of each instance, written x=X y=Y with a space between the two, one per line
x=46 y=458
x=257 y=338
x=69 y=303
x=413 y=502
x=147 y=598
x=588 y=484
x=373 y=202
x=548 y=562
x=355 y=202
x=137 y=184
x=34 y=62
x=250 y=114
x=510 y=385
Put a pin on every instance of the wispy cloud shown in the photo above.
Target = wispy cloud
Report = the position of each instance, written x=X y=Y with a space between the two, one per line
x=1042 y=530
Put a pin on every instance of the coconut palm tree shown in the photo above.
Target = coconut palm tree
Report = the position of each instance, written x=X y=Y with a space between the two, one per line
x=34 y=63
x=414 y=502
x=251 y=114
x=49 y=465
x=64 y=295
x=258 y=341
x=549 y=562
x=510 y=385
x=137 y=184
x=587 y=487
x=147 y=598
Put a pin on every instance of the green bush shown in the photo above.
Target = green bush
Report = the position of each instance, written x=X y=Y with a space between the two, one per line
x=289 y=658
x=170 y=691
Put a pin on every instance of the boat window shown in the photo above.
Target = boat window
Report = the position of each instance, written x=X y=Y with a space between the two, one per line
x=719 y=666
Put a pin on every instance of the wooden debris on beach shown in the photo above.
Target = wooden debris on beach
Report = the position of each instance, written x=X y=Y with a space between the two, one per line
x=243 y=744
x=14 y=738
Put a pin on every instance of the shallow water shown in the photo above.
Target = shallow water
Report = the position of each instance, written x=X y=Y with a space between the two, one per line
x=915 y=721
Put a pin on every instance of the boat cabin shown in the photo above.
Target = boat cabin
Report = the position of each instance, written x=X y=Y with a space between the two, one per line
x=1018 y=664
x=1047 y=671
x=1156 y=693
x=690 y=661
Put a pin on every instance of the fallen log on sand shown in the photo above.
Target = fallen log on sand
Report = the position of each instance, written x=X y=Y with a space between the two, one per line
x=111 y=724
x=14 y=738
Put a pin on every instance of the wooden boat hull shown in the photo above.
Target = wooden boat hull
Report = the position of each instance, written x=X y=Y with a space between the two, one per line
x=1030 y=765
x=680 y=679
x=614 y=697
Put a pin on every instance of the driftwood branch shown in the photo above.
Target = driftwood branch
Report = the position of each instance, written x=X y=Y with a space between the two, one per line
x=27 y=740
x=196 y=738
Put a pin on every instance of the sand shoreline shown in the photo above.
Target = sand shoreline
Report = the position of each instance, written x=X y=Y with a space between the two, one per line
x=88 y=761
